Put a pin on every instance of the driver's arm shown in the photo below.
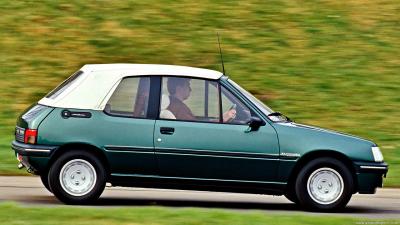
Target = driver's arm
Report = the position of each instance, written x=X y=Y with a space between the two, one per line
x=229 y=115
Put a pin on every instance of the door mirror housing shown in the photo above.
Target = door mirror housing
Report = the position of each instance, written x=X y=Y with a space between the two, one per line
x=255 y=123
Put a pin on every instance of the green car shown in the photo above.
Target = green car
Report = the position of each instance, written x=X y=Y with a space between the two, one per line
x=177 y=127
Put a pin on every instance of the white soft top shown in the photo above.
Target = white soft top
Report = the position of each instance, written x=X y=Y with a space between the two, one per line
x=94 y=87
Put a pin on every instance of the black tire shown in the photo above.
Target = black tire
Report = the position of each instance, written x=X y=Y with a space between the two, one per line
x=330 y=166
x=98 y=180
x=45 y=181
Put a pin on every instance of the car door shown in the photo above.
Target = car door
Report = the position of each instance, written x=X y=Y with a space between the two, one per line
x=205 y=144
x=127 y=127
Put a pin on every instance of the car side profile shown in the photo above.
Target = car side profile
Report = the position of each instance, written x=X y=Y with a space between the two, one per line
x=177 y=127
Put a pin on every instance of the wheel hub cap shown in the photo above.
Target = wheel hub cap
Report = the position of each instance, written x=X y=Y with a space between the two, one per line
x=325 y=186
x=78 y=177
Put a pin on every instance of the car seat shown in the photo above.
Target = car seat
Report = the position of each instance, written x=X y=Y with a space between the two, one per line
x=165 y=113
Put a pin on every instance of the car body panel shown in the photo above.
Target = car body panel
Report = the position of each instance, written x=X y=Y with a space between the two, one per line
x=300 y=139
x=127 y=142
x=31 y=117
x=217 y=151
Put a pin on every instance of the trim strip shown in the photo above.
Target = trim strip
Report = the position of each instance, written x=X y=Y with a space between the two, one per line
x=116 y=148
x=373 y=167
x=194 y=152
x=124 y=146
x=18 y=148
x=130 y=152
x=32 y=150
x=219 y=156
x=201 y=152
x=36 y=150
x=189 y=178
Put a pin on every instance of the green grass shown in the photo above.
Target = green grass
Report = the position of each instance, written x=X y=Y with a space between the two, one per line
x=327 y=63
x=15 y=214
x=8 y=165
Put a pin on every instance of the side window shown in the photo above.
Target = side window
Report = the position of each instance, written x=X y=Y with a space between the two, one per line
x=189 y=99
x=64 y=85
x=235 y=112
x=130 y=98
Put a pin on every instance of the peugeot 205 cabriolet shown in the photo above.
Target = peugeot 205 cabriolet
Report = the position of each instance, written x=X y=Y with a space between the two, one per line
x=177 y=127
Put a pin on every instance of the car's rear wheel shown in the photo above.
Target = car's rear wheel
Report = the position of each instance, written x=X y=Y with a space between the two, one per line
x=324 y=184
x=45 y=180
x=77 y=177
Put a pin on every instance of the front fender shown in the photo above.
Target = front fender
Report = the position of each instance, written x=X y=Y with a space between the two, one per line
x=297 y=139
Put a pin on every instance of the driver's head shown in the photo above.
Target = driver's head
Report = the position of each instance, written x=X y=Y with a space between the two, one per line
x=179 y=87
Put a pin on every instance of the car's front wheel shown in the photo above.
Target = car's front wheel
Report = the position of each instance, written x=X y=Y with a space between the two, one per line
x=77 y=177
x=324 y=184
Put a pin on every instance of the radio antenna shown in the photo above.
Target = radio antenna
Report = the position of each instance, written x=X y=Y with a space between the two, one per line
x=220 y=53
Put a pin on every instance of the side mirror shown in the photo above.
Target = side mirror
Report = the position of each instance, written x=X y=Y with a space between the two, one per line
x=255 y=123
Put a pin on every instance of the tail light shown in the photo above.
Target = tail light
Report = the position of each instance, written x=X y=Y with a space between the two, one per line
x=30 y=136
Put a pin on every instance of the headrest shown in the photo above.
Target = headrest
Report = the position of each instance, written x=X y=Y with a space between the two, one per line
x=164 y=101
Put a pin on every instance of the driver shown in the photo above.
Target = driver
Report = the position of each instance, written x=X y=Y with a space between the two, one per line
x=179 y=90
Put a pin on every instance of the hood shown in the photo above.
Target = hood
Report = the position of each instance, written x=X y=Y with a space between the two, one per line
x=333 y=132
x=300 y=139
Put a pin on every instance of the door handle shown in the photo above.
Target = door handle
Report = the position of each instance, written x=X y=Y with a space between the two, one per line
x=167 y=130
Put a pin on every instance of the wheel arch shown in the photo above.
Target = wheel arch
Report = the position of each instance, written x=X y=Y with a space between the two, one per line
x=308 y=157
x=82 y=147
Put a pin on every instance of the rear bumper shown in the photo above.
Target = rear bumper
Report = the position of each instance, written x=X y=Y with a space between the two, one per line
x=370 y=176
x=34 y=157
x=32 y=150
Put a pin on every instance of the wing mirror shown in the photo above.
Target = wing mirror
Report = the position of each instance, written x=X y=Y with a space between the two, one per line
x=255 y=123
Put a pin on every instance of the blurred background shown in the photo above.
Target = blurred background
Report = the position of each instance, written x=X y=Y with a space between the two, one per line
x=333 y=64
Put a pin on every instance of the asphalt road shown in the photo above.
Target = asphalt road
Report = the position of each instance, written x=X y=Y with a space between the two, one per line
x=29 y=191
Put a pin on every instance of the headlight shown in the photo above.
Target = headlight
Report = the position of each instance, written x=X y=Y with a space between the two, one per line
x=378 y=157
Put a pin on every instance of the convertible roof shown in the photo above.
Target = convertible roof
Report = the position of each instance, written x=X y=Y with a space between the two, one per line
x=92 y=89
x=152 y=69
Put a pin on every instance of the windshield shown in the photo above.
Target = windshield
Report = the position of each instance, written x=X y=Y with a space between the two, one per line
x=274 y=116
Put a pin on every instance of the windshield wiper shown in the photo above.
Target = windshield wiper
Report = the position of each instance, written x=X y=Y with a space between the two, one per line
x=278 y=114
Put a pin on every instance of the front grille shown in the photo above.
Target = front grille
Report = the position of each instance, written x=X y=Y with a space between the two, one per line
x=19 y=134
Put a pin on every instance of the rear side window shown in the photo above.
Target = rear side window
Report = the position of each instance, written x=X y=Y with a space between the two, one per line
x=64 y=85
x=130 y=98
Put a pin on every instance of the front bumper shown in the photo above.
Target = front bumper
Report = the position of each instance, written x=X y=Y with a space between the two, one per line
x=370 y=176
x=34 y=157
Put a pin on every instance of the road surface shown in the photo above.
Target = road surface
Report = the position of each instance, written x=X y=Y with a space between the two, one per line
x=30 y=191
